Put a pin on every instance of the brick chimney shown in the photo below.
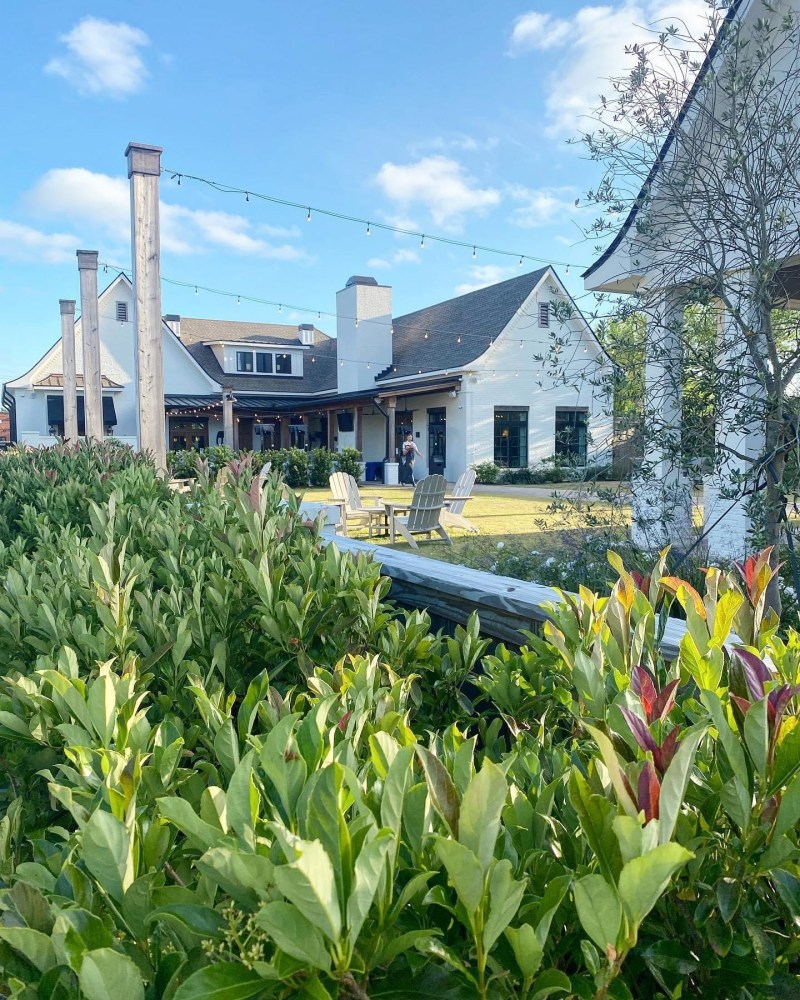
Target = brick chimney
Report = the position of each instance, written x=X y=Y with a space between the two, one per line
x=363 y=332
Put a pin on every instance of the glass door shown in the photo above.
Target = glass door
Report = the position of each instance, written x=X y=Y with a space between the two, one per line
x=437 y=441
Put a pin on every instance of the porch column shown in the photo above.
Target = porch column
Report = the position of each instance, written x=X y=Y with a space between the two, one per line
x=358 y=428
x=740 y=442
x=662 y=494
x=67 y=307
x=286 y=440
x=90 y=335
x=391 y=468
x=331 y=429
x=227 y=417
x=144 y=169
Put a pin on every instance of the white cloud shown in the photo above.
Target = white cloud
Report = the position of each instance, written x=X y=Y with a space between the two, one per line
x=20 y=242
x=591 y=49
x=537 y=31
x=398 y=257
x=541 y=206
x=440 y=185
x=99 y=205
x=481 y=275
x=102 y=57
x=460 y=141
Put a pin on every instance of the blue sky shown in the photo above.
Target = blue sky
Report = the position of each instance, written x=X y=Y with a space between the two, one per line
x=446 y=116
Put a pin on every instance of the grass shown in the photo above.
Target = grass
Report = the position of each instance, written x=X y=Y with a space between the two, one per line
x=526 y=522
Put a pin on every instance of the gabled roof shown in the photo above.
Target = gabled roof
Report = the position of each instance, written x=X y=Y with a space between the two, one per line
x=733 y=12
x=57 y=382
x=213 y=331
x=478 y=317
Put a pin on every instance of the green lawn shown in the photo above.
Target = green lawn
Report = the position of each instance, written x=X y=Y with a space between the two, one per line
x=524 y=521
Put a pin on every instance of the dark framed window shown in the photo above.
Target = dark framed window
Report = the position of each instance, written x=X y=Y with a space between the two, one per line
x=244 y=361
x=572 y=426
x=511 y=438
x=263 y=363
x=544 y=314
x=122 y=312
x=283 y=364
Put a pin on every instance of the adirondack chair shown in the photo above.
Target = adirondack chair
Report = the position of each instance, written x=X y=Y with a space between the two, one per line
x=424 y=515
x=262 y=476
x=344 y=490
x=452 y=515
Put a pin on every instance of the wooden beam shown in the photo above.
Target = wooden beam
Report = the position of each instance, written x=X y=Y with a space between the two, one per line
x=286 y=440
x=144 y=170
x=67 y=307
x=331 y=429
x=358 y=416
x=90 y=335
x=227 y=417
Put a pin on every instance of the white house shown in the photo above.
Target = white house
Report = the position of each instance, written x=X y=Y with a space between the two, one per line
x=460 y=375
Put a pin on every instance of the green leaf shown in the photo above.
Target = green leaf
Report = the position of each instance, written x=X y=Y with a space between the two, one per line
x=599 y=910
x=226 y=747
x=611 y=761
x=676 y=780
x=789 y=809
x=370 y=867
x=505 y=895
x=788 y=888
x=643 y=880
x=102 y=702
x=201 y=920
x=293 y=934
x=731 y=743
x=737 y=802
x=242 y=801
x=729 y=895
x=309 y=882
x=222 y=981
x=756 y=735
x=527 y=950
x=481 y=809
x=395 y=785
x=107 y=853
x=548 y=984
x=35 y=947
x=244 y=876
x=464 y=871
x=256 y=693
x=107 y=973
x=441 y=788
x=596 y=815
x=589 y=683
x=200 y=834
x=77 y=931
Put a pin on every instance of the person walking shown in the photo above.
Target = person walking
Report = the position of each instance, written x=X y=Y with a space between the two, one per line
x=409 y=454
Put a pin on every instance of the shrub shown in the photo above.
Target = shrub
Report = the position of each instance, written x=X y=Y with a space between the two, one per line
x=348 y=460
x=295 y=468
x=486 y=473
x=183 y=464
x=320 y=466
x=218 y=456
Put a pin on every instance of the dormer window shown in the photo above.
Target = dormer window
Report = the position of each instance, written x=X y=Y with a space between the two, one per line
x=122 y=312
x=244 y=361
x=263 y=363
x=283 y=364
x=544 y=314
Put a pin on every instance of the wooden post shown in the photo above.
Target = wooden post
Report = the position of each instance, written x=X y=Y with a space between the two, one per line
x=227 y=417
x=286 y=440
x=391 y=467
x=67 y=307
x=144 y=169
x=90 y=334
x=331 y=429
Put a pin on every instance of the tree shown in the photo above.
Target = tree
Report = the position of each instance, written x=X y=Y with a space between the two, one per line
x=700 y=145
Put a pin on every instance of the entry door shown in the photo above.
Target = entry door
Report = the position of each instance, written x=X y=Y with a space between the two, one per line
x=437 y=441
x=246 y=433
x=401 y=428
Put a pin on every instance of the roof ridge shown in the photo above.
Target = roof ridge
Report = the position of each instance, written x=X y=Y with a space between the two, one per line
x=538 y=273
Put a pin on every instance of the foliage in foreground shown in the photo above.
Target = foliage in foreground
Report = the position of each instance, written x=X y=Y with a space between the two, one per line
x=233 y=770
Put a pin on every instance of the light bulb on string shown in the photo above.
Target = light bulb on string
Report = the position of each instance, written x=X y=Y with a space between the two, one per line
x=520 y=262
x=474 y=254
x=567 y=268
x=195 y=290
x=308 y=217
x=247 y=196
x=458 y=339
x=238 y=300
x=422 y=241
x=356 y=320
x=369 y=231
x=280 y=307
x=520 y=345
x=426 y=334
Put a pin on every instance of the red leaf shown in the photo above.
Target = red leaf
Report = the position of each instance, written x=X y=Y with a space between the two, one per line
x=777 y=700
x=662 y=756
x=640 y=731
x=742 y=703
x=642 y=684
x=649 y=791
x=755 y=671
x=665 y=701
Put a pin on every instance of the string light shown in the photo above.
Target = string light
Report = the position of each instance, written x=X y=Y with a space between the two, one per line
x=368 y=229
x=426 y=334
x=238 y=300
x=474 y=254
x=195 y=290
x=345 y=217
x=247 y=196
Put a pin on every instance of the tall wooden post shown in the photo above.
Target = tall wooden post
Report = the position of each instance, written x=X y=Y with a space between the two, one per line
x=286 y=431
x=391 y=469
x=358 y=415
x=331 y=430
x=227 y=417
x=144 y=169
x=67 y=307
x=90 y=335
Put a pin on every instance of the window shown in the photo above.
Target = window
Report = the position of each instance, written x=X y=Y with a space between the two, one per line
x=544 y=314
x=263 y=363
x=122 y=312
x=571 y=434
x=244 y=361
x=283 y=364
x=511 y=438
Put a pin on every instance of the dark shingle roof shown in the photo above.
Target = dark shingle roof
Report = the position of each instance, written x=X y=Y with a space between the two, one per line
x=318 y=375
x=477 y=316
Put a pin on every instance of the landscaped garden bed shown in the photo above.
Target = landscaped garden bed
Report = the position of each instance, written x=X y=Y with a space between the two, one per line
x=231 y=769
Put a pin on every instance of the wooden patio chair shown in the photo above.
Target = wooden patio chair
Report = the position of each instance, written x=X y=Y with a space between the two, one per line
x=424 y=515
x=344 y=490
x=452 y=515
x=262 y=476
